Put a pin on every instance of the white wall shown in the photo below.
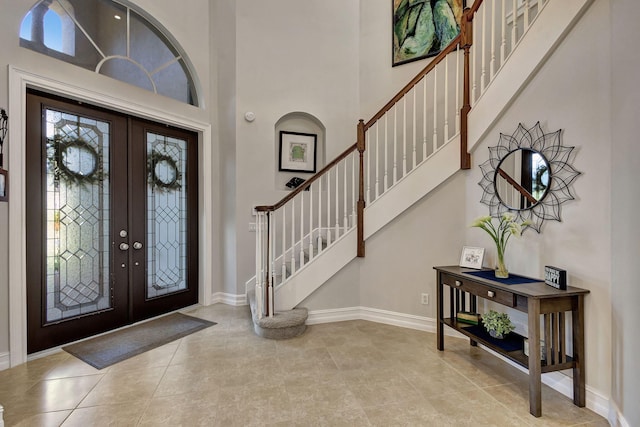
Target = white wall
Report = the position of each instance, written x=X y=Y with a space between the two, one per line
x=625 y=205
x=292 y=56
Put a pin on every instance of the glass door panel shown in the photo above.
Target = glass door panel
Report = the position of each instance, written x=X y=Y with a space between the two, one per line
x=77 y=209
x=166 y=215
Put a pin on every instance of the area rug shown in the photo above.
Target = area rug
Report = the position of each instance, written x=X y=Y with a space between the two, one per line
x=117 y=346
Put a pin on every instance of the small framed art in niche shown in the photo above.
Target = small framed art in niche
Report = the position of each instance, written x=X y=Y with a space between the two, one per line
x=298 y=152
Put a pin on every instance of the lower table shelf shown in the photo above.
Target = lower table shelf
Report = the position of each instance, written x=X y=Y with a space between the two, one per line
x=512 y=346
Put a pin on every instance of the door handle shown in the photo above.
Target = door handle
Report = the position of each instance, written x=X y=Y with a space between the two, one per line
x=124 y=246
x=137 y=245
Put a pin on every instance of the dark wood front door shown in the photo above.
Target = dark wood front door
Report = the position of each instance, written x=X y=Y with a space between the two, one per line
x=111 y=222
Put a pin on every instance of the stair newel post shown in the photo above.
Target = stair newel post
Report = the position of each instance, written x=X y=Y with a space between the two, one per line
x=259 y=255
x=466 y=40
x=361 y=203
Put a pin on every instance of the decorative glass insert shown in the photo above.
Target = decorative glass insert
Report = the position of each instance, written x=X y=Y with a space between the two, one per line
x=77 y=216
x=166 y=215
x=113 y=39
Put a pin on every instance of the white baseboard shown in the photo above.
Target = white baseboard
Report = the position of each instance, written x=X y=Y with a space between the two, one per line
x=558 y=381
x=615 y=417
x=229 y=299
x=5 y=361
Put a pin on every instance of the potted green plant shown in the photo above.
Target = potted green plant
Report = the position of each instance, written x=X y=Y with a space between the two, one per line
x=497 y=324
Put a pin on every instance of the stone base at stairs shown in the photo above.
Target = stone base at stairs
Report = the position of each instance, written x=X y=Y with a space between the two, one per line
x=283 y=325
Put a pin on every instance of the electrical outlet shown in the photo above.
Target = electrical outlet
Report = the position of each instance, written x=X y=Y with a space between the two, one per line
x=425 y=299
x=252 y=226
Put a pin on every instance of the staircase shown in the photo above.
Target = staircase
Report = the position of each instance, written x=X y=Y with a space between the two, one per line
x=413 y=144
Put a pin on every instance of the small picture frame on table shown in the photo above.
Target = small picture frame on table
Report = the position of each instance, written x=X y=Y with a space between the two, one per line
x=472 y=257
x=4 y=185
x=298 y=152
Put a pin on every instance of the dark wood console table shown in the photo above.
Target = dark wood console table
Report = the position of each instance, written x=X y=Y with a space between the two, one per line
x=534 y=298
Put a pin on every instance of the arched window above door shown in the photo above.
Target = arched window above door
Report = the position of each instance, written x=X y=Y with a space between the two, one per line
x=116 y=39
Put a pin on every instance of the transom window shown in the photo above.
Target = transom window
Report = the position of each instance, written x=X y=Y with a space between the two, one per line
x=115 y=39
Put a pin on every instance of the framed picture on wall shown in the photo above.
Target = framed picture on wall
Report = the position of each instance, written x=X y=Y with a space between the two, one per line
x=423 y=28
x=472 y=257
x=298 y=152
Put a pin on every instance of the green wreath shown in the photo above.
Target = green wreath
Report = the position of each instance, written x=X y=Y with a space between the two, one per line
x=173 y=183
x=62 y=168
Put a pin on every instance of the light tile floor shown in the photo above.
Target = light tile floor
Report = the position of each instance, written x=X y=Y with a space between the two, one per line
x=354 y=373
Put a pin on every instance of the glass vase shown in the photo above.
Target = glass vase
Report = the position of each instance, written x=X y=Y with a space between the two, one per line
x=501 y=268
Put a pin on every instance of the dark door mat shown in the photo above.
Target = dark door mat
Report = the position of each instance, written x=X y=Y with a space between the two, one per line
x=117 y=346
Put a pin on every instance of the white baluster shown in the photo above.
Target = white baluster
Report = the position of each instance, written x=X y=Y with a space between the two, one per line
x=345 y=207
x=404 y=137
x=503 y=32
x=319 y=215
x=386 y=154
x=337 y=202
x=484 y=51
x=526 y=14
x=458 y=83
x=424 y=119
x=328 y=175
x=474 y=60
x=514 y=28
x=435 y=109
x=354 y=194
x=377 y=160
x=367 y=172
x=284 y=244
x=395 y=146
x=302 y=229
x=413 y=155
x=293 y=236
x=446 y=99
x=492 y=64
x=310 y=222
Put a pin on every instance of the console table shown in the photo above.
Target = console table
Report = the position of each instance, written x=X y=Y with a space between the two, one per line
x=530 y=296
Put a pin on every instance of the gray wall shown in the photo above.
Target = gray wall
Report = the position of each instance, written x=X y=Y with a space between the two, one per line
x=625 y=205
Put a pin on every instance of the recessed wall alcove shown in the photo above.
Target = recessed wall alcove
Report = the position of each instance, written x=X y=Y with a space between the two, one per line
x=301 y=122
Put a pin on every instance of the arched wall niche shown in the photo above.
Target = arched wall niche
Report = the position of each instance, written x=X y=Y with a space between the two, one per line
x=300 y=122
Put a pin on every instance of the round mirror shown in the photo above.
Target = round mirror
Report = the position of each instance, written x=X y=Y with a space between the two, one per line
x=78 y=159
x=522 y=179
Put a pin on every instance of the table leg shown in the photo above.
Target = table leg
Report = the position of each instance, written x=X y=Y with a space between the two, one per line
x=535 y=367
x=577 y=317
x=439 y=313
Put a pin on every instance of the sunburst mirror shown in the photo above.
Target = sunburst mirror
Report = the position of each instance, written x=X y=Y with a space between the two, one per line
x=528 y=174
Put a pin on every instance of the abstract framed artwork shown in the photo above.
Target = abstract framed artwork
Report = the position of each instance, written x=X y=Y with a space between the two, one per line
x=422 y=28
x=298 y=152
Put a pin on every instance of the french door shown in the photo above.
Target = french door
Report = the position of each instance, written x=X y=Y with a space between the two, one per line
x=112 y=226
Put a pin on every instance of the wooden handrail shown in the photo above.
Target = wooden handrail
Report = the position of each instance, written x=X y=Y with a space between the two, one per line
x=439 y=58
x=308 y=182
